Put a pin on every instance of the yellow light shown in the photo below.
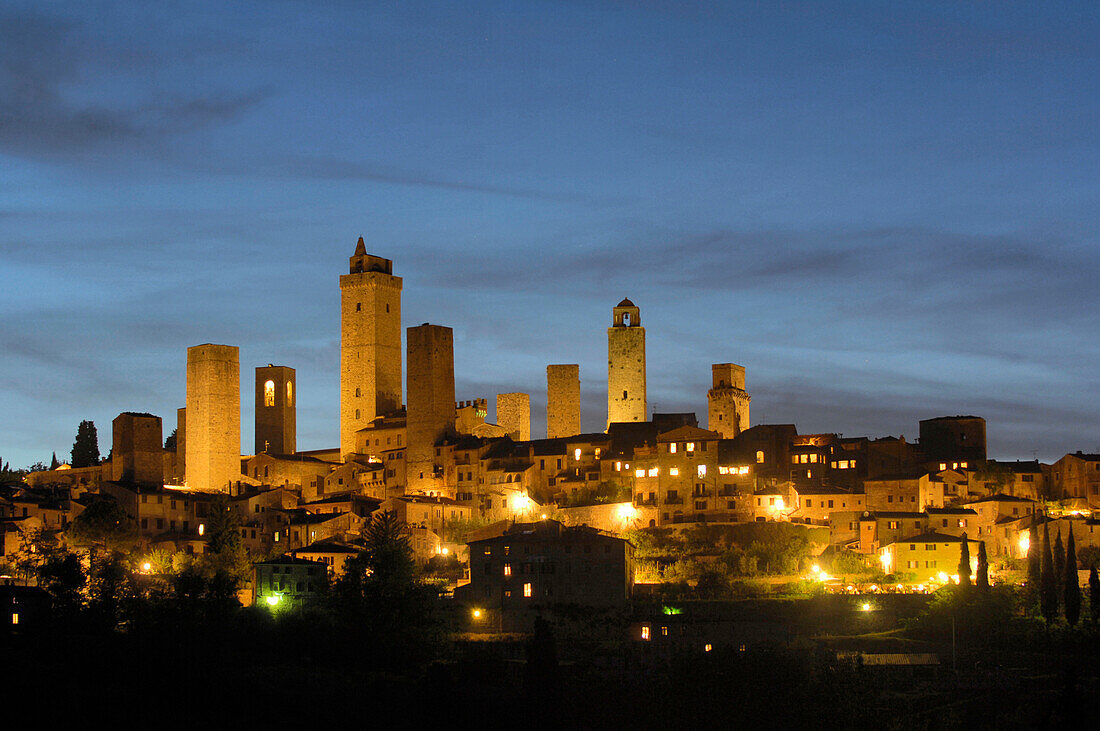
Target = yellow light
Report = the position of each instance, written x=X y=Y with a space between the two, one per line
x=627 y=512
x=816 y=569
x=955 y=578
x=780 y=504
x=202 y=529
x=866 y=607
x=445 y=551
x=544 y=516
x=1025 y=543
x=146 y=566
x=477 y=614
x=577 y=454
x=707 y=647
x=272 y=600
x=874 y=587
x=885 y=558
x=943 y=577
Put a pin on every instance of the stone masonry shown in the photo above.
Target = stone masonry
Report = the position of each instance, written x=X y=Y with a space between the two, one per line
x=626 y=381
x=431 y=407
x=514 y=415
x=213 y=416
x=563 y=400
x=137 y=452
x=276 y=414
x=727 y=400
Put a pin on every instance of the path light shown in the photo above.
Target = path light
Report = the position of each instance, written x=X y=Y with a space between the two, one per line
x=477 y=614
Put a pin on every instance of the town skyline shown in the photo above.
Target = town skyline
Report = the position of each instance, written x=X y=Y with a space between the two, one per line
x=885 y=217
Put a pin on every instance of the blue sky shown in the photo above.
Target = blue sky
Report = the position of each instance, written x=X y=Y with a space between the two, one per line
x=885 y=211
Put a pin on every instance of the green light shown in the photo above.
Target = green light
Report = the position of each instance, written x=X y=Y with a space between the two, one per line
x=673 y=610
x=273 y=600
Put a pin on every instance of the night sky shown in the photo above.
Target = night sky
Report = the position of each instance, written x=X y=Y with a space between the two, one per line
x=885 y=211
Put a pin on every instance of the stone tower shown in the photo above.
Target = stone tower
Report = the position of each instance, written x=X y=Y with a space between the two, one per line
x=514 y=415
x=563 y=400
x=276 y=415
x=727 y=400
x=370 y=344
x=431 y=408
x=137 y=452
x=181 y=446
x=626 y=365
x=213 y=416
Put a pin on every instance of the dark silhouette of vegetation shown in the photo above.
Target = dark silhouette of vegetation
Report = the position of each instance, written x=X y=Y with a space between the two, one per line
x=1034 y=566
x=171 y=441
x=982 y=580
x=1072 y=595
x=86 y=446
x=1094 y=595
x=1048 y=582
x=541 y=677
x=1058 y=553
x=964 y=564
x=103 y=525
x=54 y=464
x=226 y=562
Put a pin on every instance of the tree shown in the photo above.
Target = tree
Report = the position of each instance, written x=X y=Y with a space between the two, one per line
x=171 y=441
x=1072 y=594
x=982 y=580
x=964 y=563
x=103 y=524
x=1059 y=556
x=225 y=552
x=86 y=447
x=1034 y=553
x=54 y=464
x=1094 y=594
x=1048 y=582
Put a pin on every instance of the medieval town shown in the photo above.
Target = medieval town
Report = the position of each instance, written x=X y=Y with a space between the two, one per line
x=647 y=524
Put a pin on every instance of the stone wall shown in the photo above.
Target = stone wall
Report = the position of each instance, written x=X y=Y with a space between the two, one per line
x=213 y=416
x=276 y=412
x=563 y=400
x=431 y=407
x=514 y=415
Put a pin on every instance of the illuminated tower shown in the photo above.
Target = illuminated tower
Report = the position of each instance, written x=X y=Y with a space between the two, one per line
x=563 y=400
x=137 y=452
x=276 y=420
x=213 y=416
x=626 y=365
x=727 y=400
x=431 y=408
x=370 y=344
x=514 y=415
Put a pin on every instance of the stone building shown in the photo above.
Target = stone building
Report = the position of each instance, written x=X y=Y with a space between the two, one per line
x=514 y=415
x=727 y=400
x=1077 y=475
x=953 y=439
x=213 y=424
x=626 y=374
x=431 y=410
x=276 y=419
x=563 y=400
x=370 y=343
x=136 y=452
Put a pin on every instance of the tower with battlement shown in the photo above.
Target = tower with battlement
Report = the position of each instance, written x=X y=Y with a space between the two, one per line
x=276 y=414
x=370 y=343
x=626 y=383
x=727 y=400
x=563 y=400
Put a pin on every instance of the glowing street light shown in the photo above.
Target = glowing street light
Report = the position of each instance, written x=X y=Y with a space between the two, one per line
x=1025 y=543
x=272 y=600
x=866 y=607
x=477 y=614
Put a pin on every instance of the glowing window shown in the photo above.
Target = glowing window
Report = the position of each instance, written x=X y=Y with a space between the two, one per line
x=674 y=471
x=672 y=448
x=289 y=393
x=507 y=569
x=691 y=446
x=963 y=465
x=269 y=393
x=639 y=473
x=702 y=469
x=794 y=459
x=943 y=466
x=652 y=471
x=618 y=466
x=15 y=618
x=527 y=590
x=813 y=458
x=645 y=632
x=760 y=457
x=577 y=453
x=742 y=470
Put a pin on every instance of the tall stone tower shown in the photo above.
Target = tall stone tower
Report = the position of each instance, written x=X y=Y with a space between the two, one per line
x=276 y=415
x=431 y=408
x=727 y=400
x=181 y=446
x=213 y=416
x=514 y=415
x=370 y=343
x=563 y=400
x=626 y=365
x=137 y=452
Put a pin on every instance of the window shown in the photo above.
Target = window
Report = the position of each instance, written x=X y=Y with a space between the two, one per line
x=527 y=590
x=639 y=473
x=809 y=503
x=358 y=306
x=702 y=470
x=269 y=393
x=652 y=472
x=674 y=471
x=760 y=457
x=507 y=569
x=289 y=393
x=672 y=448
x=645 y=629
x=691 y=446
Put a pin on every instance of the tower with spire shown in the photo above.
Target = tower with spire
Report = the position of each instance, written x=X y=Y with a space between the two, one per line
x=626 y=379
x=370 y=343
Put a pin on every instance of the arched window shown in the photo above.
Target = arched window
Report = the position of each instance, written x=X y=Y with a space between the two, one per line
x=269 y=393
x=289 y=393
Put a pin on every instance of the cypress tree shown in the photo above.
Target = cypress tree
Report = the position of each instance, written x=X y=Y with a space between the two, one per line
x=1059 y=556
x=1072 y=593
x=964 y=563
x=1033 y=554
x=1048 y=583
x=54 y=464
x=86 y=447
x=982 y=580
x=1094 y=594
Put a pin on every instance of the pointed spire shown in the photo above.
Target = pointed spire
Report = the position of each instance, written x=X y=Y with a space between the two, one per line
x=360 y=248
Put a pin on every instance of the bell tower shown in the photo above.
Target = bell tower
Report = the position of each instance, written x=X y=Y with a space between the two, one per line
x=626 y=400
x=370 y=343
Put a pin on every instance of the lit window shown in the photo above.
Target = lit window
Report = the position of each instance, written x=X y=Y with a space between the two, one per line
x=813 y=458
x=527 y=590
x=202 y=529
x=639 y=473
x=618 y=466
x=794 y=459
x=507 y=569
x=645 y=632
x=15 y=618
x=597 y=452
x=760 y=457
x=963 y=465
x=289 y=393
x=707 y=647
x=691 y=446
x=702 y=469
x=652 y=472
x=943 y=466
x=743 y=470
x=672 y=448
x=674 y=471
x=269 y=393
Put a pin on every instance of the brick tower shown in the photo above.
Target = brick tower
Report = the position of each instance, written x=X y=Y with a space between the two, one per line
x=626 y=365
x=727 y=400
x=370 y=343
x=276 y=415
x=213 y=416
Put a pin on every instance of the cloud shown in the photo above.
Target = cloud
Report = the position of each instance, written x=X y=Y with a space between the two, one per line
x=47 y=64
